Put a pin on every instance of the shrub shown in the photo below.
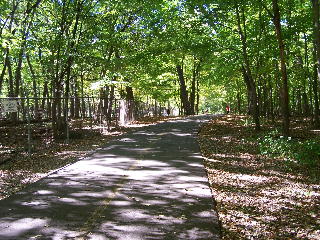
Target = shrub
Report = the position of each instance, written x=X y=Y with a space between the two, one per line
x=305 y=152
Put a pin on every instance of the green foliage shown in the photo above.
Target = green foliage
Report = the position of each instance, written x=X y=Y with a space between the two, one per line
x=213 y=99
x=141 y=42
x=305 y=152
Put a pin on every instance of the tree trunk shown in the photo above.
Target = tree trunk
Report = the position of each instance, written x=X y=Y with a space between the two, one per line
x=111 y=99
x=3 y=72
x=130 y=103
x=56 y=104
x=198 y=97
x=316 y=29
x=14 y=115
x=183 y=92
x=35 y=90
x=72 y=100
x=284 y=92
x=7 y=59
x=265 y=97
x=45 y=99
x=271 y=100
x=251 y=86
x=83 y=104
x=76 y=100
x=195 y=74
x=239 y=102
x=299 y=103
x=106 y=100
x=307 y=78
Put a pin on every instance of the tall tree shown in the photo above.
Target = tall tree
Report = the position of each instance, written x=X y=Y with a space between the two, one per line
x=247 y=74
x=284 y=76
x=316 y=32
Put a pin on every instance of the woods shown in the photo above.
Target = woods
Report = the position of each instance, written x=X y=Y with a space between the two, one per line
x=259 y=57
x=74 y=73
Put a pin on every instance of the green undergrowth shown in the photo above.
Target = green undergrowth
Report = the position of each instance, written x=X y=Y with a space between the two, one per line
x=304 y=152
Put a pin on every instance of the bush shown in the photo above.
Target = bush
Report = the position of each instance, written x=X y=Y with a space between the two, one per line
x=308 y=152
x=305 y=152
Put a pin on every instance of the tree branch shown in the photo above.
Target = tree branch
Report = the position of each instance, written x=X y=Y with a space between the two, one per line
x=266 y=8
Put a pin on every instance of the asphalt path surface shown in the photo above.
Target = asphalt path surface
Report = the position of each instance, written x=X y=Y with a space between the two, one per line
x=147 y=184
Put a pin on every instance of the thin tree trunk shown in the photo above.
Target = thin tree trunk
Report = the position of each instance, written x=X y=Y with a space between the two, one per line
x=183 y=92
x=198 y=97
x=25 y=31
x=271 y=100
x=111 y=100
x=35 y=90
x=56 y=100
x=76 y=99
x=45 y=99
x=307 y=77
x=14 y=115
x=239 y=102
x=106 y=100
x=251 y=86
x=284 y=92
x=316 y=29
x=7 y=59
x=130 y=103
x=83 y=104
x=3 y=72
x=72 y=101
x=195 y=73
x=58 y=76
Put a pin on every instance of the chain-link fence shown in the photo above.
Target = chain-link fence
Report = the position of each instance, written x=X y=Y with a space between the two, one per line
x=95 y=109
x=31 y=116
x=42 y=108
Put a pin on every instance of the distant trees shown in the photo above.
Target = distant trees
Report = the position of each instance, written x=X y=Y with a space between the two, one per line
x=194 y=54
x=270 y=45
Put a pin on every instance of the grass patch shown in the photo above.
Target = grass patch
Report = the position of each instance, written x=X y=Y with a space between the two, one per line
x=303 y=152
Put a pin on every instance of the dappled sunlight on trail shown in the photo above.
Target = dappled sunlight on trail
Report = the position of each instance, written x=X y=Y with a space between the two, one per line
x=146 y=185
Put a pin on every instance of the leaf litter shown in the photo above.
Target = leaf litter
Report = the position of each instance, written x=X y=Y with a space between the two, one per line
x=258 y=197
x=17 y=169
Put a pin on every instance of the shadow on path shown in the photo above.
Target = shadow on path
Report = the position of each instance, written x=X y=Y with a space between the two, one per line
x=149 y=184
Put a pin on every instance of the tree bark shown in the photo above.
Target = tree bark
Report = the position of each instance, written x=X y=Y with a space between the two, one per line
x=195 y=75
x=183 y=92
x=198 y=97
x=45 y=98
x=271 y=109
x=284 y=92
x=57 y=88
x=247 y=75
x=35 y=89
x=83 y=104
x=70 y=60
x=111 y=99
x=316 y=29
x=3 y=72
x=130 y=103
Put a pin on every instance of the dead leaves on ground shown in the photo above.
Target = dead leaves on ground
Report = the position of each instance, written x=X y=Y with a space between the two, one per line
x=258 y=197
x=17 y=169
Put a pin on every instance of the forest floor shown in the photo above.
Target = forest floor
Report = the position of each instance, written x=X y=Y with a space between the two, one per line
x=17 y=169
x=260 y=197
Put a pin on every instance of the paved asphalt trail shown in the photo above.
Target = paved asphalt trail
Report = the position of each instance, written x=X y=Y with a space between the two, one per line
x=148 y=184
